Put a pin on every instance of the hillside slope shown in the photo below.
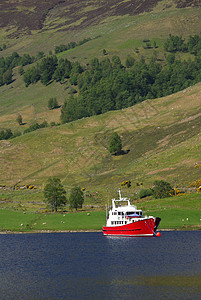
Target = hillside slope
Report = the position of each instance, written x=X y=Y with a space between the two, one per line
x=41 y=25
x=163 y=136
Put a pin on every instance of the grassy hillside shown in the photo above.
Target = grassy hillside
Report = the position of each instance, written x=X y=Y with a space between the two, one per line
x=163 y=135
x=117 y=26
x=44 y=24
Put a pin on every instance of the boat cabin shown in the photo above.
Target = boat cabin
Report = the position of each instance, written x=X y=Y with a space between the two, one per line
x=122 y=212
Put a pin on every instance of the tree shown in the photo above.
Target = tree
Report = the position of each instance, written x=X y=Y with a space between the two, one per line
x=115 y=145
x=170 y=58
x=7 y=76
x=130 y=61
x=19 y=119
x=54 y=193
x=154 y=44
x=52 y=103
x=6 y=134
x=21 y=71
x=76 y=198
x=47 y=68
x=161 y=189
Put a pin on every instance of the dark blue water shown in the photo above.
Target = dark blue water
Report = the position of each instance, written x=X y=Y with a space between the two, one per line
x=91 y=266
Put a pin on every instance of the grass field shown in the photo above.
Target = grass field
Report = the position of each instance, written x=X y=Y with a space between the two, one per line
x=181 y=213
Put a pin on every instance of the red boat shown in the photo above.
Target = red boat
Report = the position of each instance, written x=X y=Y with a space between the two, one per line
x=124 y=219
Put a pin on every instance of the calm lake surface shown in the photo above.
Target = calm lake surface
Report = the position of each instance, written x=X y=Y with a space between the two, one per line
x=91 y=266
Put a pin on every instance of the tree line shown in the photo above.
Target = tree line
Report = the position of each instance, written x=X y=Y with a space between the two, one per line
x=71 y=45
x=7 y=64
x=108 y=85
x=177 y=43
x=55 y=195
x=6 y=134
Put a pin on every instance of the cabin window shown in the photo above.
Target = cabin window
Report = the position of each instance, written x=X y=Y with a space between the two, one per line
x=115 y=213
x=129 y=213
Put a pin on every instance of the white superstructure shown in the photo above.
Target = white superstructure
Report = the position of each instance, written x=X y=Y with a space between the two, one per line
x=122 y=212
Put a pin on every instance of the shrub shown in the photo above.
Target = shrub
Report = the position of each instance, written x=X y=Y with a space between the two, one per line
x=126 y=183
x=161 y=189
x=177 y=192
x=199 y=189
x=36 y=126
x=197 y=183
x=145 y=193
x=6 y=134
x=19 y=119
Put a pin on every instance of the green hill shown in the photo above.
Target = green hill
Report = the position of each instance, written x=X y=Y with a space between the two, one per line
x=163 y=135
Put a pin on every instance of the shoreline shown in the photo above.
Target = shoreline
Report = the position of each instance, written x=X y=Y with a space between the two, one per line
x=85 y=231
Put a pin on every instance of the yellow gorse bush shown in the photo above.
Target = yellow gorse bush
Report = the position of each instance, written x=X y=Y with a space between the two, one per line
x=199 y=189
x=30 y=186
x=197 y=183
x=126 y=183
x=178 y=192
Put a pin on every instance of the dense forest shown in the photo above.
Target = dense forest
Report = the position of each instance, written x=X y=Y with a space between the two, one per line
x=107 y=84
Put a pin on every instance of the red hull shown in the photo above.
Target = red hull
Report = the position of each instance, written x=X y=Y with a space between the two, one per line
x=139 y=228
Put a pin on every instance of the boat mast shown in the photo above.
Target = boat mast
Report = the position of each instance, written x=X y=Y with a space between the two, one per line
x=119 y=194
